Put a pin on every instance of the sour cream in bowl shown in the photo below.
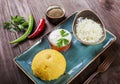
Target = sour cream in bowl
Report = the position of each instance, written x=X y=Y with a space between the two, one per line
x=60 y=39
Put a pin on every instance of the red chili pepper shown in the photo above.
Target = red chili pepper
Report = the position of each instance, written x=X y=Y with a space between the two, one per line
x=39 y=28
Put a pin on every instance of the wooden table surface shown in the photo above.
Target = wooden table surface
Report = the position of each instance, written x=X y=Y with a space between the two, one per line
x=108 y=10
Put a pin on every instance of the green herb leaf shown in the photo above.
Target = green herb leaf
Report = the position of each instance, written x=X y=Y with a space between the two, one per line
x=6 y=25
x=21 y=27
x=17 y=19
x=17 y=23
x=65 y=41
x=12 y=30
x=63 y=33
x=59 y=43
x=62 y=42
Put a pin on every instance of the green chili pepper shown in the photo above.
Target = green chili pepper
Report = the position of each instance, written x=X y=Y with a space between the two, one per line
x=25 y=35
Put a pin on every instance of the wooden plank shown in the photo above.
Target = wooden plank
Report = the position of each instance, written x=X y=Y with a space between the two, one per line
x=108 y=10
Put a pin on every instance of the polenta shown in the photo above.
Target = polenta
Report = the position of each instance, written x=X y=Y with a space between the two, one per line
x=48 y=64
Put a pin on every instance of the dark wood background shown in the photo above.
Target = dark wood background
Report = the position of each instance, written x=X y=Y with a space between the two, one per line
x=108 y=10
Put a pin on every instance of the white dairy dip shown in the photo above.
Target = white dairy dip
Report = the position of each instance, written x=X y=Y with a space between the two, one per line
x=55 y=35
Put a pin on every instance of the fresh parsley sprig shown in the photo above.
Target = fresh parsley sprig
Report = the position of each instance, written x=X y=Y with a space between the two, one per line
x=62 y=41
x=16 y=24
x=63 y=33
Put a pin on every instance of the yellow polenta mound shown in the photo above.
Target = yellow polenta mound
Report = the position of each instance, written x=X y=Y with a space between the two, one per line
x=48 y=64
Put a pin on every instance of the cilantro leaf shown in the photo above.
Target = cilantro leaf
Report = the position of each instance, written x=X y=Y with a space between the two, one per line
x=63 y=33
x=65 y=41
x=16 y=24
x=6 y=25
x=12 y=30
x=62 y=42
x=59 y=43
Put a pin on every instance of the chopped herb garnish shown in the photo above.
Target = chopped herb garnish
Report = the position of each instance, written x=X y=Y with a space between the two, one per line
x=65 y=41
x=17 y=23
x=63 y=33
x=62 y=42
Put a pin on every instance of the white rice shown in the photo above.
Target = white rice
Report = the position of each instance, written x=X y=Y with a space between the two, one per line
x=88 y=30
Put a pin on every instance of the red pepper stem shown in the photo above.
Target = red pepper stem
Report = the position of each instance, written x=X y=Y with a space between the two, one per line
x=39 y=29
